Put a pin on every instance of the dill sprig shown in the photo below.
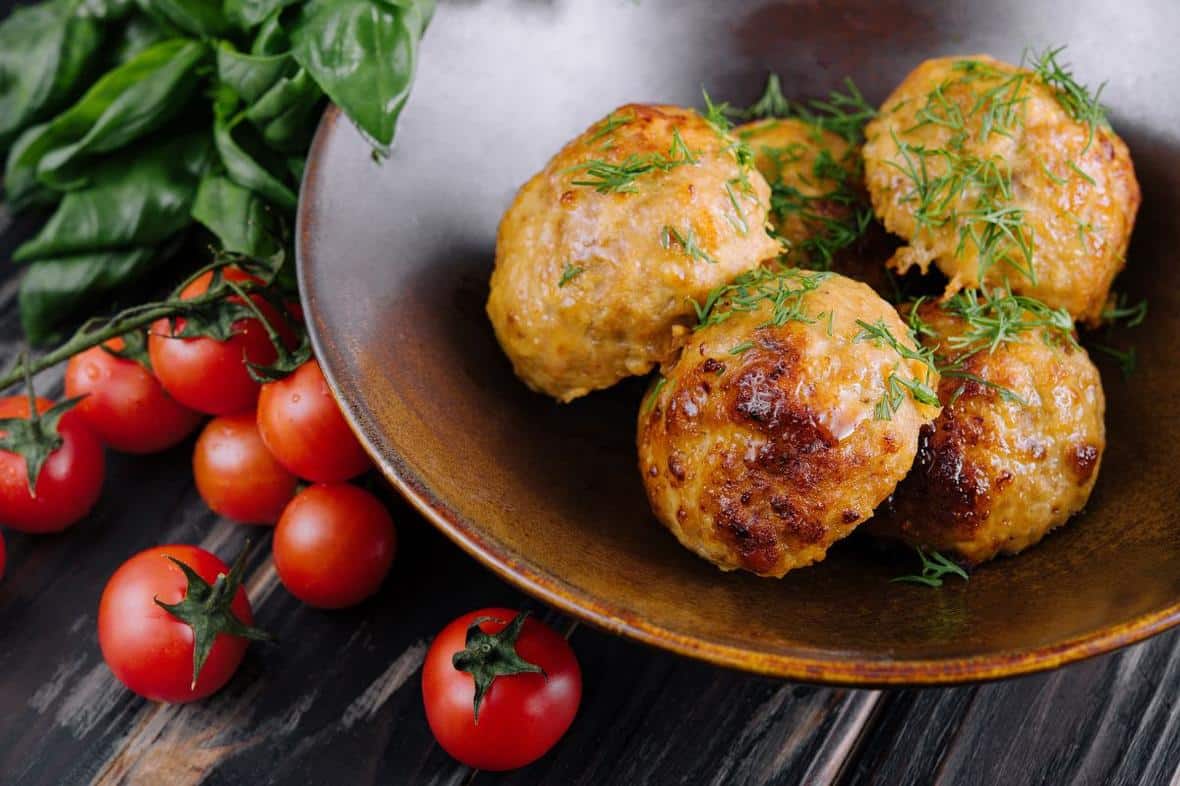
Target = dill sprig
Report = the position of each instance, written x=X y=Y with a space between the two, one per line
x=1120 y=311
x=934 y=567
x=827 y=235
x=785 y=289
x=896 y=385
x=568 y=274
x=998 y=317
x=688 y=243
x=843 y=113
x=612 y=122
x=1078 y=102
x=606 y=177
x=1126 y=358
x=654 y=393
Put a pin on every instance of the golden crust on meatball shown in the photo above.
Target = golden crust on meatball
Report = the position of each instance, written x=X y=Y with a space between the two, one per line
x=600 y=254
x=788 y=416
x=1017 y=448
x=999 y=176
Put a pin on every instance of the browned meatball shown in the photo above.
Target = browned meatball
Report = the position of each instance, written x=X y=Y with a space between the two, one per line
x=786 y=419
x=818 y=203
x=601 y=252
x=1017 y=447
x=998 y=175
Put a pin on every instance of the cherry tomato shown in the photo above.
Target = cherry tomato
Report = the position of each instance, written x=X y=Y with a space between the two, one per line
x=333 y=545
x=125 y=405
x=211 y=376
x=522 y=715
x=304 y=429
x=149 y=649
x=236 y=475
x=68 y=484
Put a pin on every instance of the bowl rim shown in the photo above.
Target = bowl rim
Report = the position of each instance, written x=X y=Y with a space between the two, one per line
x=795 y=665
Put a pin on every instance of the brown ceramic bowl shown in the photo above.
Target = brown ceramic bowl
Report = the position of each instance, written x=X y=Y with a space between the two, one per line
x=394 y=260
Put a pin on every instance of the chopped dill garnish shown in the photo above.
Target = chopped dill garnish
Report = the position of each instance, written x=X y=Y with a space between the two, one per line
x=896 y=385
x=1074 y=97
x=738 y=219
x=1120 y=311
x=1126 y=358
x=997 y=317
x=994 y=227
x=688 y=243
x=717 y=116
x=772 y=103
x=654 y=393
x=783 y=288
x=612 y=122
x=843 y=113
x=605 y=177
x=569 y=273
x=827 y=235
x=934 y=567
x=738 y=349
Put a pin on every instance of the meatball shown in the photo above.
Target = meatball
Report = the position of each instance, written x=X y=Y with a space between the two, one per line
x=1004 y=175
x=818 y=204
x=792 y=412
x=600 y=254
x=1017 y=447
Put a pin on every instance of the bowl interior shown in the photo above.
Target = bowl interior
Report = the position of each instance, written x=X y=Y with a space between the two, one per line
x=394 y=261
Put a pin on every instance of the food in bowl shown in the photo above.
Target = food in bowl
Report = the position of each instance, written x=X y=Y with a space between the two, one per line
x=793 y=403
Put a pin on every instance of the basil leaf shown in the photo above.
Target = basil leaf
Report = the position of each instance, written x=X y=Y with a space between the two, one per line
x=248 y=14
x=139 y=198
x=203 y=18
x=138 y=33
x=130 y=101
x=250 y=76
x=287 y=115
x=241 y=220
x=107 y=10
x=249 y=163
x=54 y=289
x=45 y=50
x=272 y=38
x=126 y=103
x=21 y=187
x=363 y=54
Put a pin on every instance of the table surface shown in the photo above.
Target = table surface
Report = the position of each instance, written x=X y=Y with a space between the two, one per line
x=337 y=701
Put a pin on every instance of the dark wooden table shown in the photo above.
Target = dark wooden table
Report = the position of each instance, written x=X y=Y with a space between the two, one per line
x=338 y=700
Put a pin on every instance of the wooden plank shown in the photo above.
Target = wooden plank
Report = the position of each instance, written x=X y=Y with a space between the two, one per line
x=651 y=718
x=1112 y=720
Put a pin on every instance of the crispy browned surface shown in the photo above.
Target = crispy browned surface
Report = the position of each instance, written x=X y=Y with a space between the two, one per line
x=1079 y=196
x=618 y=315
x=993 y=476
x=763 y=459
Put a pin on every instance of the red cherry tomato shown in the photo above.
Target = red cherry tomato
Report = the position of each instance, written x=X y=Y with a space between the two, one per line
x=304 y=429
x=236 y=475
x=211 y=376
x=125 y=405
x=148 y=649
x=521 y=716
x=333 y=545
x=69 y=483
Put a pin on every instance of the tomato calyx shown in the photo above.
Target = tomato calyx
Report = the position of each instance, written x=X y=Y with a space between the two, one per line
x=492 y=655
x=134 y=348
x=286 y=360
x=207 y=610
x=35 y=437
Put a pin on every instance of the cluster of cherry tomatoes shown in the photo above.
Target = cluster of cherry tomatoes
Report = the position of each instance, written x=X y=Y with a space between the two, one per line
x=174 y=621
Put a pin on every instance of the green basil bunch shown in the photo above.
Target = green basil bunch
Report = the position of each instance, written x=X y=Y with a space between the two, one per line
x=135 y=119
